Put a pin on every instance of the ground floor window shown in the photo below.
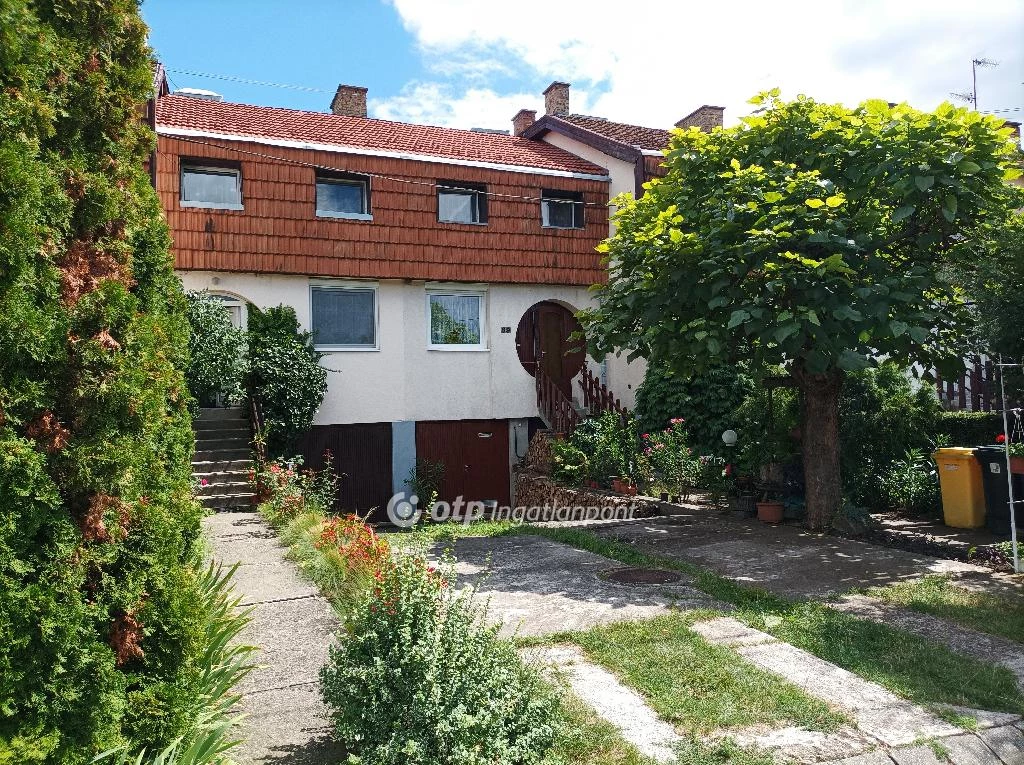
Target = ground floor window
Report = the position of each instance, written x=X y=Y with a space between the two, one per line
x=344 y=317
x=455 y=320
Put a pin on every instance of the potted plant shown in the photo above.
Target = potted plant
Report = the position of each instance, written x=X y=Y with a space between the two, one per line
x=1016 y=450
x=771 y=508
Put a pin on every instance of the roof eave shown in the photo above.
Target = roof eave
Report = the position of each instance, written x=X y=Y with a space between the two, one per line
x=604 y=144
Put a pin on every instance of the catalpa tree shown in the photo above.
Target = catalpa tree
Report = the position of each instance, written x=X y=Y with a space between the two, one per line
x=811 y=236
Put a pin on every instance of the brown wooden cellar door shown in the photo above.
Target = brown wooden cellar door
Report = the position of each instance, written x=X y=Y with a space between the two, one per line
x=475 y=456
x=362 y=459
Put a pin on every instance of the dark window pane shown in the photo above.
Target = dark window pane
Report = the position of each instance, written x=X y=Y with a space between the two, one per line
x=343 y=317
x=559 y=214
x=338 y=197
x=210 y=186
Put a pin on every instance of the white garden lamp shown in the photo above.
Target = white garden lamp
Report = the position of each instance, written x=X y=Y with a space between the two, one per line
x=729 y=438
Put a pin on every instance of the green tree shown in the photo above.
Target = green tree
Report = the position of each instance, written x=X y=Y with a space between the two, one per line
x=812 y=236
x=101 y=627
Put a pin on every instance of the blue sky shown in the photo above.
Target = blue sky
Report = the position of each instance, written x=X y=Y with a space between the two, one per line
x=469 y=63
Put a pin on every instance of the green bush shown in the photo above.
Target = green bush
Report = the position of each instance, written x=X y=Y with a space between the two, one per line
x=882 y=417
x=216 y=351
x=102 y=624
x=608 y=445
x=707 y=401
x=284 y=377
x=911 y=485
x=419 y=680
x=969 y=428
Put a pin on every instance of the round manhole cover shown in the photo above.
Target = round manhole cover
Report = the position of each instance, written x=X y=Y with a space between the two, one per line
x=642 y=576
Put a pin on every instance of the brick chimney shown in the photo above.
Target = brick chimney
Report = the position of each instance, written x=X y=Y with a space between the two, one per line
x=349 y=101
x=705 y=117
x=556 y=98
x=523 y=119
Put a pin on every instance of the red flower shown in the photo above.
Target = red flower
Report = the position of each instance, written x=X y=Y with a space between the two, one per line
x=1001 y=438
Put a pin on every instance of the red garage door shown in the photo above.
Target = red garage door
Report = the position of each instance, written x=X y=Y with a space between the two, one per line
x=474 y=454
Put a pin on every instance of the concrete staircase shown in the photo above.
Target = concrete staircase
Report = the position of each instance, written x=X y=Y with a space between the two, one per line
x=223 y=458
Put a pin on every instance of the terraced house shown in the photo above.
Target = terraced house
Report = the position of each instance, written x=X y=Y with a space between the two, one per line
x=439 y=270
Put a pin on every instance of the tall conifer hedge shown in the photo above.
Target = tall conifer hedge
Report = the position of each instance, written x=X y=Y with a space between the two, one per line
x=101 y=627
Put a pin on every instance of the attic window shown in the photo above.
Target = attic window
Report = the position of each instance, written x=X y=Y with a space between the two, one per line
x=343 y=196
x=219 y=187
x=461 y=202
x=561 y=209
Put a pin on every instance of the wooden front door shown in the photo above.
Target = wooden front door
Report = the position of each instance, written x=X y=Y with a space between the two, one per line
x=475 y=457
x=542 y=339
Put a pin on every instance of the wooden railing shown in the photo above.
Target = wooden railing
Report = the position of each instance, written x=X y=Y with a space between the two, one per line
x=976 y=390
x=555 y=407
x=597 y=399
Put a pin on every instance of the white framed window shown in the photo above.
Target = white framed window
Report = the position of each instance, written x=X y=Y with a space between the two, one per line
x=461 y=203
x=343 y=317
x=216 y=187
x=456 y=319
x=343 y=196
x=561 y=209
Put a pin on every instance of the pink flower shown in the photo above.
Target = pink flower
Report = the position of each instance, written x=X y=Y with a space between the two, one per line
x=1001 y=438
x=204 y=482
x=646 y=435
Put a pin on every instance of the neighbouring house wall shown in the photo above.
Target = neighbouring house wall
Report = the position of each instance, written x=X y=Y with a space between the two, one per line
x=623 y=378
x=278 y=231
x=622 y=173
x=403 y=381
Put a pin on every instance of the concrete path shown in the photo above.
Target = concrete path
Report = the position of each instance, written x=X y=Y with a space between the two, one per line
x=786 y=560
x=537 y=587
x=292 y=625
x=964 y=640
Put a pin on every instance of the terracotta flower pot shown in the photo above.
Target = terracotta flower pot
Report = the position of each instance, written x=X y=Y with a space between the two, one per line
x=770 y=512
x=1017 y=465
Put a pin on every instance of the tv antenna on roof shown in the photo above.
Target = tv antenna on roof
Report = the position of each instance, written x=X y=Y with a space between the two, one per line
x=972 y=97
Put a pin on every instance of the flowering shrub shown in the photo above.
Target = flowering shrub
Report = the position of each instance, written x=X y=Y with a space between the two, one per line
x=284 y=490
x=352 y=548
x=669 y=457
x=420 y=680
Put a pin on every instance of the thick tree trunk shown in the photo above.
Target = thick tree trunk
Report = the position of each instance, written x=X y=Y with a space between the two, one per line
x=820 y=441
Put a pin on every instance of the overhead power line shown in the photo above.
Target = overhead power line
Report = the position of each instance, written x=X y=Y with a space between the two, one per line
x=247 y=81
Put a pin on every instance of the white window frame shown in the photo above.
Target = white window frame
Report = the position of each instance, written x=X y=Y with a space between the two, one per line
x=363 y=183
x=350 y=287
x=458 y=290
x=466 y=191
x=217 y=170
x=545 y=212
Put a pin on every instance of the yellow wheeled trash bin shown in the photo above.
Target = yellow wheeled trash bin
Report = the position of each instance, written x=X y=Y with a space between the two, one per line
x=963 y=493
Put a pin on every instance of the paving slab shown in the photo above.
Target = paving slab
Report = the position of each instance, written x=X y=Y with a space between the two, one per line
x=964 y=640
x=787 y=560
x=970 y=750
x=1007 y=742
x=872 y=758
x=535 y=586
x=621 y=706
x=288 y=725
x=793 y=744
x=984 y=719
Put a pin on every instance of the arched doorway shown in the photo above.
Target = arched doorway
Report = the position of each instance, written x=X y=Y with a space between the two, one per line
x=542 y=339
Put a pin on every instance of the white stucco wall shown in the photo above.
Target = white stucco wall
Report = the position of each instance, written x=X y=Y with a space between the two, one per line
x=402 y=380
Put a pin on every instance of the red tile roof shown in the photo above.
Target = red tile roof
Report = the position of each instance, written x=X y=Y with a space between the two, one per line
x=267 y=122
x=651 y=139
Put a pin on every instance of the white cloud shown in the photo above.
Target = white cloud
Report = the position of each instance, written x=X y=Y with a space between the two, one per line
x=652 y=62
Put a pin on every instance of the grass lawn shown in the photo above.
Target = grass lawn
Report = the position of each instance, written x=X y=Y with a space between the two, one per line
x=697 y=686
x=938 y=596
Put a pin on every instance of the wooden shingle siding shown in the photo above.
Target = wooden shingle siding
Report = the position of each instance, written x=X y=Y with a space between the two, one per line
x=278 y=231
